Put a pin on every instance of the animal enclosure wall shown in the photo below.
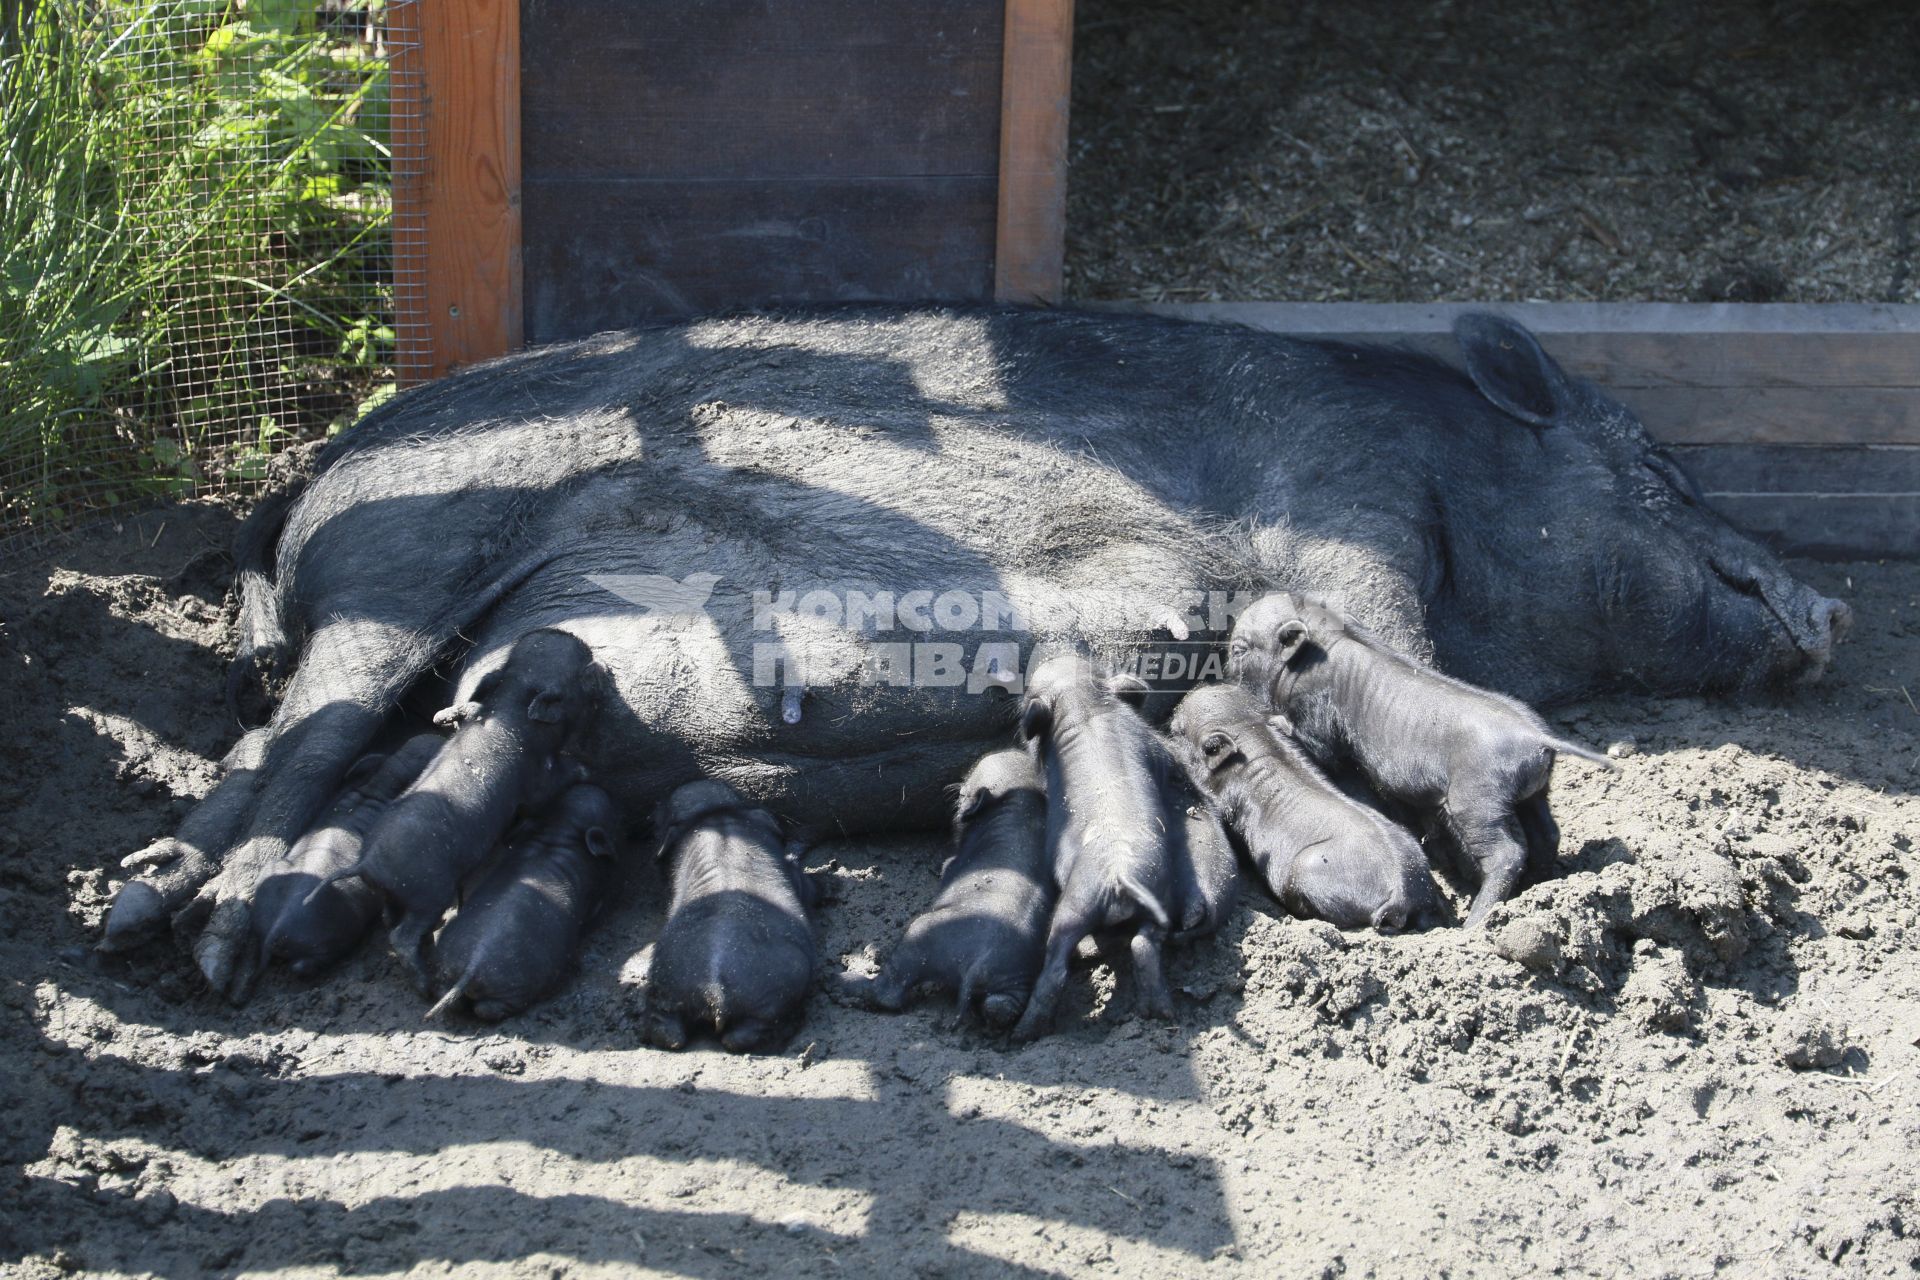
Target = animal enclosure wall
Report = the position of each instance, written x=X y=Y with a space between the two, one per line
x=598 y=163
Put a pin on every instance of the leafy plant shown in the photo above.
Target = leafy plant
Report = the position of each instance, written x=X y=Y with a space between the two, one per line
x=194 y=205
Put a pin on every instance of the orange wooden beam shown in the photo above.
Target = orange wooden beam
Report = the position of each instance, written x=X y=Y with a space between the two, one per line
x=1035 y=78
x=457 y=200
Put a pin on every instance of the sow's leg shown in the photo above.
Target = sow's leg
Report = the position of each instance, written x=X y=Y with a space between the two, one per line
x=351 y=675
x=177 y=865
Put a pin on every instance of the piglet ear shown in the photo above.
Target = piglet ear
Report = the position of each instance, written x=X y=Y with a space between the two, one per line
x=975 y=803
x=1508 y=366
x=1036 y=718
x=598 y=842
x=1218 y=748
x=1280 y=725
x=1291 y=637
x=546 y=708
x=1128 y=688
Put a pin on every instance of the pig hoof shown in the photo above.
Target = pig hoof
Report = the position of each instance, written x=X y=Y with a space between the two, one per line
x=157 y=854
x=1001 y=1010
x=457 y=714
x=189 y=920
x=1029 y=1028
x=664 y=1032
x=137 y=914
x=220 y=951
x=1160 y=1009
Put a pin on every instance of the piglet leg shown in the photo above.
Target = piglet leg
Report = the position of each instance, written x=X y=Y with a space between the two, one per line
x=1490 y=833
x=1542 y=832
x=409 y=939
x=1070 y=924
x=1151 y=997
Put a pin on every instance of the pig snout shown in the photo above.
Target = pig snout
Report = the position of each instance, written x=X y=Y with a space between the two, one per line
x=1828 y=622
x=1812 y=623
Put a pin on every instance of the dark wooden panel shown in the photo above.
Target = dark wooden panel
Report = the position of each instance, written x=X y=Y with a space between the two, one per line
x=1640 y=344
x=761 y=88
x=1777 y=415
x=1036 y=80
x=1815 y=501
x=1746 y=469
x=1830 y=527
x=1843 y=373
x=602 y=255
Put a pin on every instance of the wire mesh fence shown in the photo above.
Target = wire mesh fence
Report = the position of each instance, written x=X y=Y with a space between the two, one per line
x=199 y=257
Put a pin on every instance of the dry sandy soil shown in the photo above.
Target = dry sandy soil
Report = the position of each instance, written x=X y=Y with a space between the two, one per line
x=1693 y=1051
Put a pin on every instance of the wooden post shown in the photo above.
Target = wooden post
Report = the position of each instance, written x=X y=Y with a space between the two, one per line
x=1035 y=76
x=460 y=198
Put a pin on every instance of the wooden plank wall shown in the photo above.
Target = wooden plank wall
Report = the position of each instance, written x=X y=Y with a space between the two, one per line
x=708 y=156
x=1800 y=422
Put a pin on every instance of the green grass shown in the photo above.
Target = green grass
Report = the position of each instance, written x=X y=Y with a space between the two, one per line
x=194 y=200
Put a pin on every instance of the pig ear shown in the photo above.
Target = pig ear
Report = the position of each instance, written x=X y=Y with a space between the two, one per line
x=598 y=842
x=1036 y=718
x=975 y=803
x=1280 y=725
x=1218 y=748
x=1508 y=366
x=1129 y=688
x=1292 y=636
x=546 y=708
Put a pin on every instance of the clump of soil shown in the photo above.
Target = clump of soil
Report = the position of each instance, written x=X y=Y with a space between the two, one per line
x=1419 y=150
x=1694 y=1050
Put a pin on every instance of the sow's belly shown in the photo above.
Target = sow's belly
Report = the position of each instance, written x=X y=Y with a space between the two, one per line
x=844 y=706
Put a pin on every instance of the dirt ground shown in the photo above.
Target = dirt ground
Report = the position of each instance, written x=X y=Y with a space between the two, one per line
x=1418 y=150
x=1696 y=1051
